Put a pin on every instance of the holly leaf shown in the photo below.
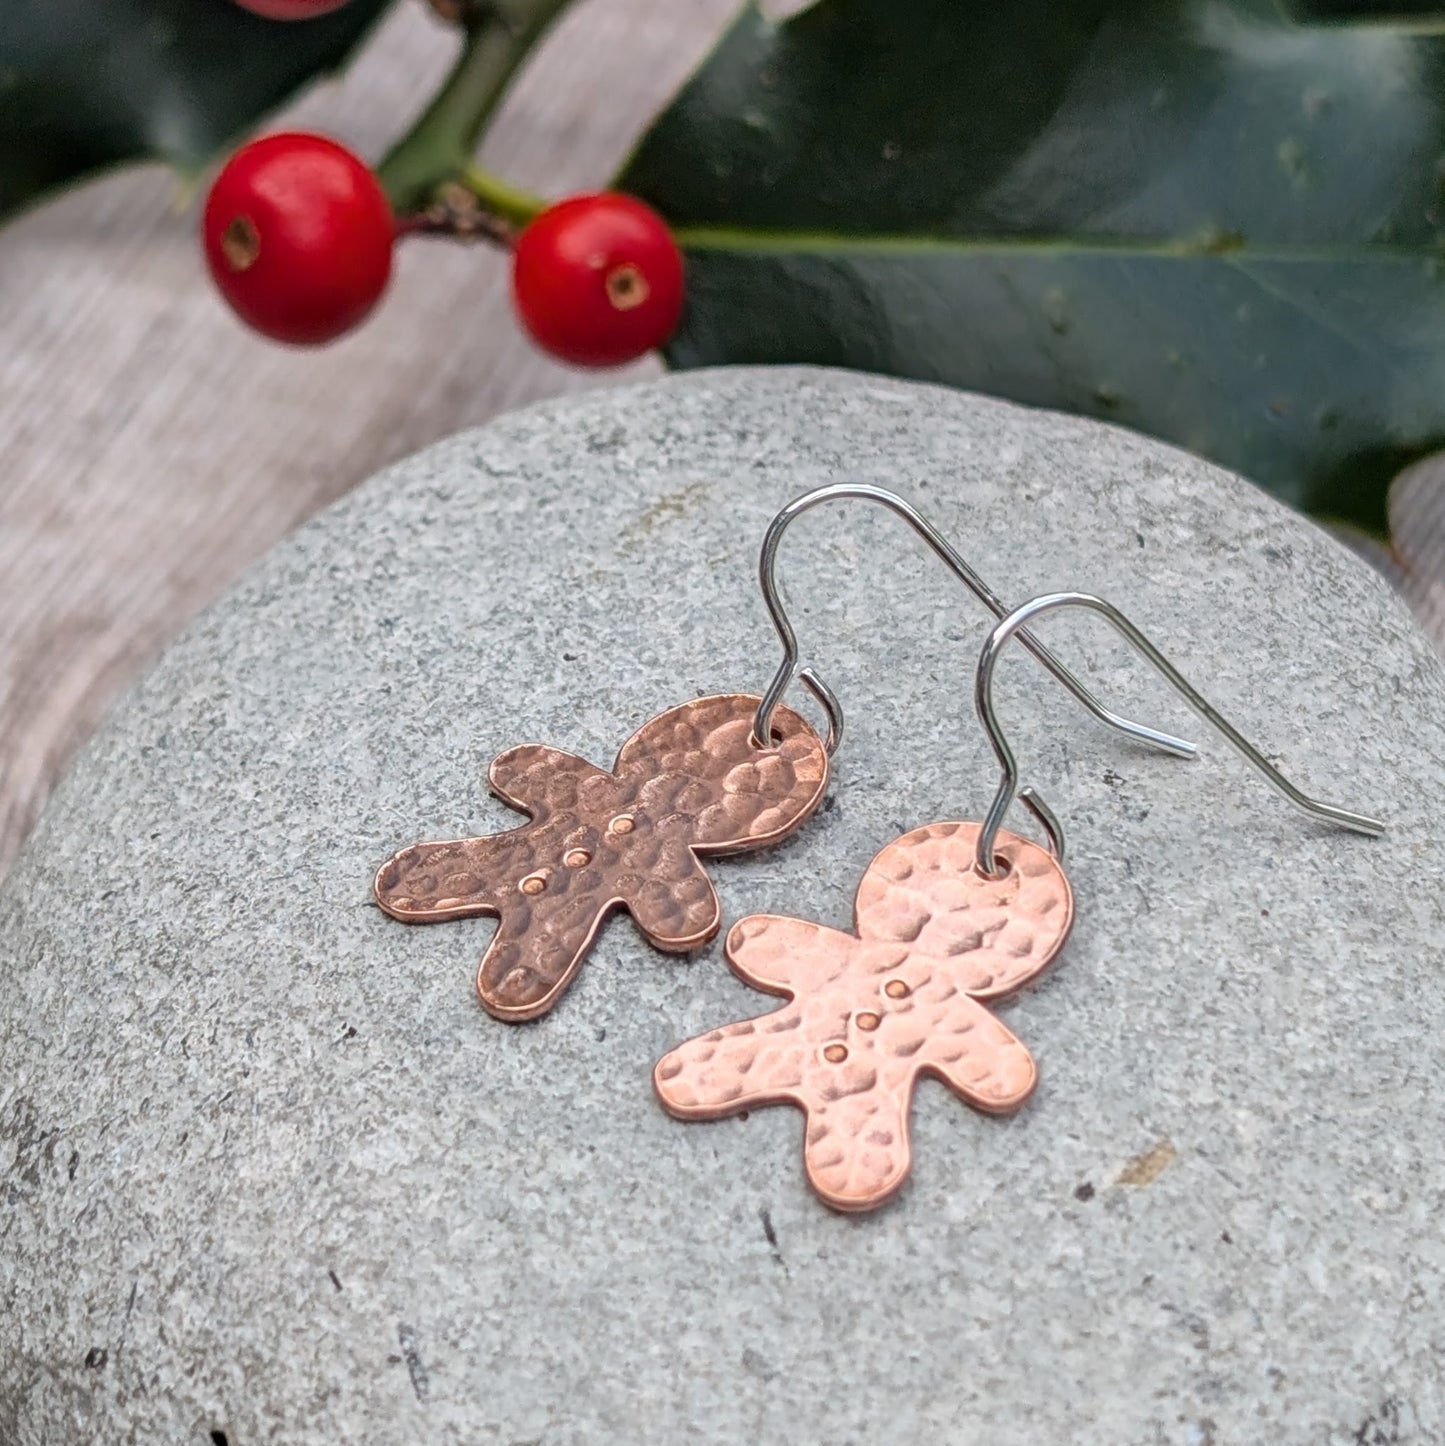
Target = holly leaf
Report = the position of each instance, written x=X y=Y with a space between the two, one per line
x=1426 y=13
x=86 y=84
x=1199 y=218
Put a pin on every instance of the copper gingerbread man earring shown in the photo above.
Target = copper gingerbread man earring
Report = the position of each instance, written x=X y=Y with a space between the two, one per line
x=949 y=919
x=717 y=775
x=688 y=784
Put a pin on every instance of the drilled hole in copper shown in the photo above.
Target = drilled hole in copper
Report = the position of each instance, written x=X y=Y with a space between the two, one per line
x=867 y=1021
x=241 y=243
x=533 y=884
x=623 y=823
x=835 y=1054
x=627 y=287
x=896 y=989
x=577 y=859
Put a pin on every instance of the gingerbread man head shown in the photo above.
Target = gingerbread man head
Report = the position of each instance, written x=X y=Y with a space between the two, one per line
x=871 y=1011
x=689 y=783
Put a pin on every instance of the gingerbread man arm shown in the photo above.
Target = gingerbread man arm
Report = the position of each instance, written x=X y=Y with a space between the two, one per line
x=541 y=781
x=787 y=956
x=450 y=879
x=740 y=1066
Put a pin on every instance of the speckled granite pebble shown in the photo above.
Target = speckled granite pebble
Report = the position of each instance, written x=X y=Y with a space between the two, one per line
x=269 y=1173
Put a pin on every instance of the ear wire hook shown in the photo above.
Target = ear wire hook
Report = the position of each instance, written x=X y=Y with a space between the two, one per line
x=1008 y=783
x=1048 y=820
x=788 y=668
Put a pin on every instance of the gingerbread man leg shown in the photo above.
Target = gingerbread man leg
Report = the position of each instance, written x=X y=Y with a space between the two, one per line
x=534 y=955
x=979 y=1058
x=858 y=1152
x=673 y=902
x=855 y=1147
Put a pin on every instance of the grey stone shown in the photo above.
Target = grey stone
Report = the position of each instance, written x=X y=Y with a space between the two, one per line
x=268 y=1170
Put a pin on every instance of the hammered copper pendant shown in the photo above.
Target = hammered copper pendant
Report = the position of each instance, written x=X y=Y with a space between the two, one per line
x=869 y=1012
x=689 y=783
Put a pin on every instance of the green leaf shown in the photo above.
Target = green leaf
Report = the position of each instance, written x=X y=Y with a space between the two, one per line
x=1193 y=217
x=86 y=84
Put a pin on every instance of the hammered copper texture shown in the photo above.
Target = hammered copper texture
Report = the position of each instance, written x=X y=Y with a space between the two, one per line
x=689 y=782
x=872 y=1011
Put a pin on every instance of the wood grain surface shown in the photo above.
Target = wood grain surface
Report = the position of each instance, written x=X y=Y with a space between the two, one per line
x=152 y=448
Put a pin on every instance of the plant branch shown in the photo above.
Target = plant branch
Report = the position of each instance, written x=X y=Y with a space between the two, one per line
x=437 y=151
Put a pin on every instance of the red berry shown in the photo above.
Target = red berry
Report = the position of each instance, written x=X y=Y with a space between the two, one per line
x=598 y=279
x=290 y=9
x=298 y=235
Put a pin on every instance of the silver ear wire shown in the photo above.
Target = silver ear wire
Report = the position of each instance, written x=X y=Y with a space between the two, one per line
x=1048 y=820
x=828 y=701
x=788 y=668
x=1014 y=624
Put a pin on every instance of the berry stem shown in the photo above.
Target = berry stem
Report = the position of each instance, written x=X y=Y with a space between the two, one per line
x=500 y=199
x=437 y=151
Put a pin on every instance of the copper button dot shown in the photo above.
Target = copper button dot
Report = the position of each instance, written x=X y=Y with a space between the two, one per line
x=533 y=884
x=896 y=989
x=577 y=859
x=867 y=1021
x=835 y=1054
x=624 y=823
